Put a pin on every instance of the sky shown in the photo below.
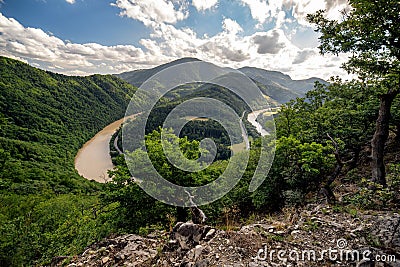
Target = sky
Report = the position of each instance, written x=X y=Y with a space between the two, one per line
x=82 y=37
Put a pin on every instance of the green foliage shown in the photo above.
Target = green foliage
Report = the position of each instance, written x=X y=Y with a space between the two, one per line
x=48 y=118
x=46 y=208
x=375 y=196
x=369 y=31
x=35 y=228
x=346 y=111
x=138 y=209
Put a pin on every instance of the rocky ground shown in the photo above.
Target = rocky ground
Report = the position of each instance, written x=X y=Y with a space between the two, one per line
x=317 y=235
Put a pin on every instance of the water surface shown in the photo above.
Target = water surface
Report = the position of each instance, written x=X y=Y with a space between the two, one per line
x=93 y=159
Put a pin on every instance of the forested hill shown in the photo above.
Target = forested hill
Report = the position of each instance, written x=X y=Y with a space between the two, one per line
x=279 y=86
x=45 y=118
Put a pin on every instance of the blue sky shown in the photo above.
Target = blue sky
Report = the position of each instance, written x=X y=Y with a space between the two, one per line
x=80 y=37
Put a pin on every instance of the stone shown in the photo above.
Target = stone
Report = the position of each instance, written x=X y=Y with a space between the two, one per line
x=197 y=251
x=105 y=260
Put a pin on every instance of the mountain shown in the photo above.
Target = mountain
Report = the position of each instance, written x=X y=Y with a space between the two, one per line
x=137 y=77
x=279 y=87
x=44 y=119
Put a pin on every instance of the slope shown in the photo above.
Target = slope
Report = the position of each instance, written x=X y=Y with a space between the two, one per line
x=46 y=118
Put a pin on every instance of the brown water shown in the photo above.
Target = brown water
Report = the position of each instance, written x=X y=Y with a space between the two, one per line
x=93 y=159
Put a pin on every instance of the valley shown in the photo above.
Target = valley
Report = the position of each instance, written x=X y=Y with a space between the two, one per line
x=194 y=133
x=57 y=130
x=93 y=159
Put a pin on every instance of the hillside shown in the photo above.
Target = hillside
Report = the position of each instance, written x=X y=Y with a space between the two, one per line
x=300 y=232
x=47 y=211
x=45 y=118
x=279 y=86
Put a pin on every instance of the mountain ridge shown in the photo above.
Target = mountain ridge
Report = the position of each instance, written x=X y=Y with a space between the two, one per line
x=276 y=85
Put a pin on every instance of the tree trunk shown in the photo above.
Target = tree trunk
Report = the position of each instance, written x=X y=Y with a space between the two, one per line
x=181 y=214
x=380 y=137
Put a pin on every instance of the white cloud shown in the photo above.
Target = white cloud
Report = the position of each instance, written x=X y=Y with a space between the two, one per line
x=231 y=26
x=303 y=7
x=266 y=10
x=265 y=49
x=35 y=44
x=280 y=19
x=203 y=5
x=258 y=9
x=70 y=1
x=153 y=11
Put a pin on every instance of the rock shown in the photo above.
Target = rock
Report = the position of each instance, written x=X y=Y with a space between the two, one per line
x=105 y=260
x=188 y=234
x=210 y=234
x=203 y=263
x=197 y=251
x=193 y=245
x=294 y=232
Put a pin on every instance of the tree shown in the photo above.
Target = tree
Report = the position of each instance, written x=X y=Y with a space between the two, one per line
x=370 y=32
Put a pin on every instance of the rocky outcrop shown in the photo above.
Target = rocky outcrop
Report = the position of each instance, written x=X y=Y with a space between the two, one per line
x=316 y=236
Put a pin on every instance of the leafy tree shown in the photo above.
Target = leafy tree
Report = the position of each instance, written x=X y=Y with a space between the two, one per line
x=370 y=32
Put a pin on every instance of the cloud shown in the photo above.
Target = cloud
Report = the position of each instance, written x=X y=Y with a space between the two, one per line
x=258 y=9
x=229 y=48
x=203 y=5
x=300 y=8
x=153 y=11
x=303 y=55
x=268 y=43
x=333 y=4
x=267 y=10
x=70 y=1
x=36 y=45
x=231 y=26
x=280 y=19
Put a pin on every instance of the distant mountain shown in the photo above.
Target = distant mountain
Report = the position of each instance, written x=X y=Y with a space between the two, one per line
x=278 y=87
x=137 y=77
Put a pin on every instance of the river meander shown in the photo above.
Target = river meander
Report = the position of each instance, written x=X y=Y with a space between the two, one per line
x=93 y=160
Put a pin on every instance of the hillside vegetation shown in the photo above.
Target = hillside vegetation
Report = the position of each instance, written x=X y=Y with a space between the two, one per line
x=45 y=118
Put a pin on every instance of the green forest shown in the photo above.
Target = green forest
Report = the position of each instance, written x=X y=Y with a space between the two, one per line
x=341 y=134
x=46 y=207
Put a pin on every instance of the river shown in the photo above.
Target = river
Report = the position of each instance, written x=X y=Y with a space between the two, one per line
x=252 y=118
x=93 y=159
